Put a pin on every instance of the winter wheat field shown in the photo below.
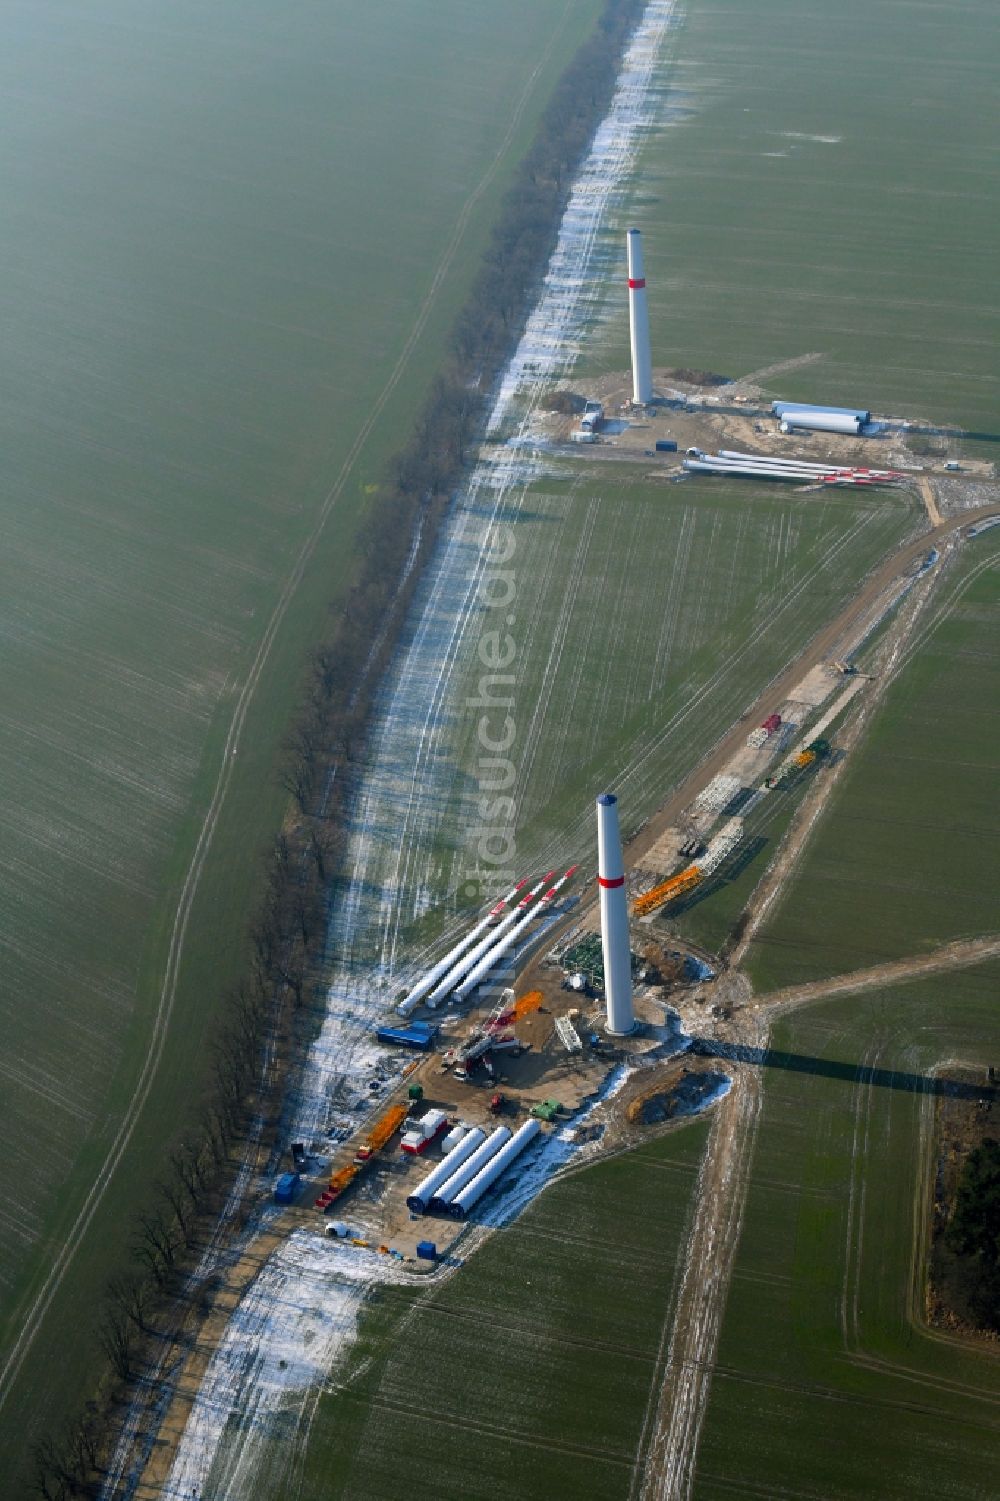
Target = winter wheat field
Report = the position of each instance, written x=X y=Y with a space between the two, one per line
x=199 y=389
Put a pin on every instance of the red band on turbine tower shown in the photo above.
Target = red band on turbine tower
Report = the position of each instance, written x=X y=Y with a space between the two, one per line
x=635 y=282
x=618 y=881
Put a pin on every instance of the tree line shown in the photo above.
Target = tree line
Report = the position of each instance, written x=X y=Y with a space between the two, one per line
x=974 y=1231
x=261 y=1023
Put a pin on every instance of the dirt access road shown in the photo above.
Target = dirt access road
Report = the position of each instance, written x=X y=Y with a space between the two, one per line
x=667 y=1458
x=823 y=646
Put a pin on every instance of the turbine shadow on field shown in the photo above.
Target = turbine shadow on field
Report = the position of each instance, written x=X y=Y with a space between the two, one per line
x=851 y=1073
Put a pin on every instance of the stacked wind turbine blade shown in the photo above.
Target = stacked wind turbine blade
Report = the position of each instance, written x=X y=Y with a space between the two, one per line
x=468 y=960
x=427 y=982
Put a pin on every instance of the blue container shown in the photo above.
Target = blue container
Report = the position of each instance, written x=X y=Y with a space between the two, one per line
x=286 y=1188
x=416 y=1035
x=666 y=445
x=427 y=1250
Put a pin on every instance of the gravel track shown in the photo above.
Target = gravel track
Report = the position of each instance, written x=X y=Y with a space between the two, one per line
x=665 y=1472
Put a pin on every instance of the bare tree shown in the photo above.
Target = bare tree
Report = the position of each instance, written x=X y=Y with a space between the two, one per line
x=173 y=1191
x=155 y=1245
x=83 y=1445
x=51 y=1480
x=191 y=1167
x=133 y=1296
x=115 y=1338
x=216 y=1133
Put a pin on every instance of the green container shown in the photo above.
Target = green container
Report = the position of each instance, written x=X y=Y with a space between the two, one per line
x=415 y=1092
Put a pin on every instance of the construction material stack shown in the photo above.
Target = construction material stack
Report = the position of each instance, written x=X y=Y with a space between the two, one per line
x=686 y=880
x=470 y=961
x=383 y=1130
x=452 y=1186
x=498 y=1164
x=433 y=976
x=419 y=1200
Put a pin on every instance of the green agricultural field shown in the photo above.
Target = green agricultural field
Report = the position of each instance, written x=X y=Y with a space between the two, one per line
x=528 y=1373
x=826 y=1383
x=825 y=184
x=226 y=233
x=908 y=853
x=649 y=616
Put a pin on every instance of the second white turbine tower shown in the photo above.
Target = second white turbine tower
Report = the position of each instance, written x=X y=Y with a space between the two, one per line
x=614 y=918
x=638 y=322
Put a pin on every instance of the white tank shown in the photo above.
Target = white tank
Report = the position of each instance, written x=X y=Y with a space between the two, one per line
x=638 y=322
x=614 y=918
x=473 y=1191
x=453 y=1185
x=421 y=1196
x=821 y=422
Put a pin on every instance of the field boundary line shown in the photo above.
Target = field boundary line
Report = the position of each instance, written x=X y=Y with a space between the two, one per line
x=168 y=990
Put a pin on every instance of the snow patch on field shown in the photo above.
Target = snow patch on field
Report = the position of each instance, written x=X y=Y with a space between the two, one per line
x=292 y=1327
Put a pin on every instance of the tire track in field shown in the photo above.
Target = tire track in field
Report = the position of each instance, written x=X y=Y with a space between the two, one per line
x=850 y=1293
x=65 y=1256
x=665 y=1471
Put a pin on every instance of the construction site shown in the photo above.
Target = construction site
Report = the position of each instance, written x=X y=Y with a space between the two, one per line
x=498 y=1070
x=574 y=1015
x=700 y=424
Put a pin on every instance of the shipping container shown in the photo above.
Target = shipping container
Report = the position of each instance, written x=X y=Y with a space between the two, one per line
x=286 y=1188
x=416 y=1035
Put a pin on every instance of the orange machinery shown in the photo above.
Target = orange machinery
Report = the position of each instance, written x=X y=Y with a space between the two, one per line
x=523 y=1006
x=338 y=1182
x=375 y=1140
x=381 y=1131
x=667 y=891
